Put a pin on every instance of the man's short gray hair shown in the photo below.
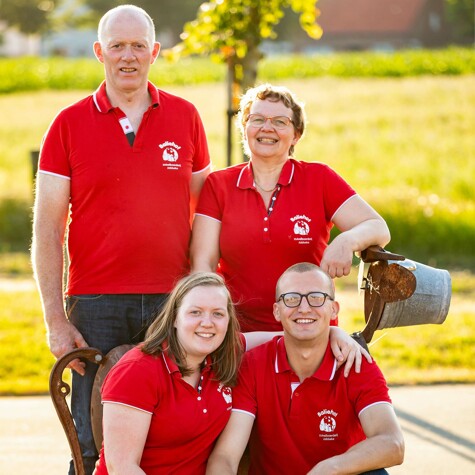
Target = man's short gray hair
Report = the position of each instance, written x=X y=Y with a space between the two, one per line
x=131 y=10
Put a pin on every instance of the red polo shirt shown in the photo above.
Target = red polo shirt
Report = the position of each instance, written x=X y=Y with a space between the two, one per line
x=299 y=424
x=130 y=205
x=185 y=421
x=258 y=244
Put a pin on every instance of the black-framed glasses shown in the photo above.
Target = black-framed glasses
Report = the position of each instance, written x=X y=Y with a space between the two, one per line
x=278 y=121
x=314 y=299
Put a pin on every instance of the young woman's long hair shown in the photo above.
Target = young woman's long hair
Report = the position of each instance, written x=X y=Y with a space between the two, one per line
x=226 y=358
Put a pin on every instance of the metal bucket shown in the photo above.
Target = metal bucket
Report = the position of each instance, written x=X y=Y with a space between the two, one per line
x=429 y=303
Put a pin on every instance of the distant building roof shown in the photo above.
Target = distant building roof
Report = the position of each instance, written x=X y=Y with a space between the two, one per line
x=362 y=16
x=382 y=24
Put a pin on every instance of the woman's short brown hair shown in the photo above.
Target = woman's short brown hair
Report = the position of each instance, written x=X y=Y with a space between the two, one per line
x=274 y=94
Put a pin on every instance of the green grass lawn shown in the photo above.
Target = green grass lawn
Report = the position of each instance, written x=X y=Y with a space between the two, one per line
x=25 y=359
x=396 y=134
x=407 y=146
x=410 y=355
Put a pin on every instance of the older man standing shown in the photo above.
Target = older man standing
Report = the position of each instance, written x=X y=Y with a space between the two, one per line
x=119 y=173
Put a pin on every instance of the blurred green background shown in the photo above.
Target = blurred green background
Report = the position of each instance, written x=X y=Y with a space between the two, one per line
x=406 y=143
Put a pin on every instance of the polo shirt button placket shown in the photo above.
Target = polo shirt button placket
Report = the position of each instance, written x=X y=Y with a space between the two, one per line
x=266 y=230
x=266 y=235
x=200 y=388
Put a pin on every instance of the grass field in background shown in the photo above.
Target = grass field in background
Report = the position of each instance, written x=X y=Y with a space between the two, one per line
x=25 y=359
x=406 y=145
x=410 y=355
x=389 y=133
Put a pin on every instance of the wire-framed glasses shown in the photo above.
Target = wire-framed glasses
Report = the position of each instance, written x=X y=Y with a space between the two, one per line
x=278 y=121
x=314 y=299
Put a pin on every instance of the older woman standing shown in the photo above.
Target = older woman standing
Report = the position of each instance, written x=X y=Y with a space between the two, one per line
x=256 y=219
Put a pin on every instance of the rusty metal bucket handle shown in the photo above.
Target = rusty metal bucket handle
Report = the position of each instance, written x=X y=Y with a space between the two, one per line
x=372 y=255
x=377 y=253
x=59 y=390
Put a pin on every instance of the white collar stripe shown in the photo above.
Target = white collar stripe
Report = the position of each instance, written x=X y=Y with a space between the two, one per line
x=292 y=173
x=165 y=361
x=240 y=175
x=94 y=97
x=335 y=367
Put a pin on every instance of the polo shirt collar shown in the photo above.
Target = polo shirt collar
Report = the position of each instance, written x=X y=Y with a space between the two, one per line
x=325 y=372
x=103 y=104
x=171 y=365
x=246 y=178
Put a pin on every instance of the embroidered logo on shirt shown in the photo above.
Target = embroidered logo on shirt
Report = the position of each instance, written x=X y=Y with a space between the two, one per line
x=327 y=425
x=170 y=155
x=301 y=228
x=226 y=392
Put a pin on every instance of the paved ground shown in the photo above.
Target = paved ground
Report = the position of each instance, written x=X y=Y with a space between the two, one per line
x=438 y=423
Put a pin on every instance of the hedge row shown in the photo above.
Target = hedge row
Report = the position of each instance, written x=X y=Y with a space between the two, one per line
x=32 y=73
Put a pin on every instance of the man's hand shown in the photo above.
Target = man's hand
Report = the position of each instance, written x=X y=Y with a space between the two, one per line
x=64 y=337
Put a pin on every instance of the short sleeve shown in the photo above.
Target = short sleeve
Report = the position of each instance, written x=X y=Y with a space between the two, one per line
x=54 y=151
x=242 y=339
x=368 y=387
x=336 y=191
x=244 y=394
x=209 y=203
x=133 y=382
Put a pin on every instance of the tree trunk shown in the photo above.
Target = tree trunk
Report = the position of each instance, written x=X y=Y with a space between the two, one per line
x=249 y=66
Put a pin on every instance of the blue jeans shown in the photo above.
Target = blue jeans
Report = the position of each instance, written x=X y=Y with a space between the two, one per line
x=105 y=321
x=379 y=471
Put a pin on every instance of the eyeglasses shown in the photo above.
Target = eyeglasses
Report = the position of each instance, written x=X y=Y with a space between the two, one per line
x=314 y=299
x=278 y=122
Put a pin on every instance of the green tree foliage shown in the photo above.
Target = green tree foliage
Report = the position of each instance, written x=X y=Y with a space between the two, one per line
x=29 y=16
x=232 y=31
x=168 y=15
x=461 y=17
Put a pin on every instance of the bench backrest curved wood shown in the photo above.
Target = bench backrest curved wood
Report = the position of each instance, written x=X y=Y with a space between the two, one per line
x=59 y=390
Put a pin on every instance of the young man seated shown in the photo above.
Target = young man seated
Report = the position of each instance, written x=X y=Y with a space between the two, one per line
x=296 y=409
